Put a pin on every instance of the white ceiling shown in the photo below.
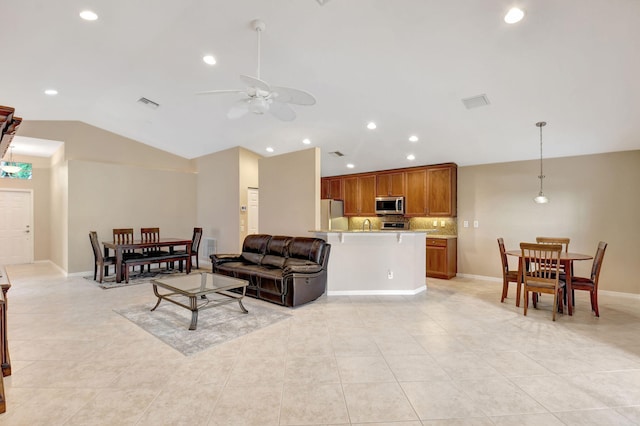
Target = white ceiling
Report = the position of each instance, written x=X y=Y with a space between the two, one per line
x=405 y=64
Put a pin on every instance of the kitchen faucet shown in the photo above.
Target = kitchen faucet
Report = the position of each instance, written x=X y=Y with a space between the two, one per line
x=366 y=221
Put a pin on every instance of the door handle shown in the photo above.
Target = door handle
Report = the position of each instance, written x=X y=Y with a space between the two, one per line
x=27 y=231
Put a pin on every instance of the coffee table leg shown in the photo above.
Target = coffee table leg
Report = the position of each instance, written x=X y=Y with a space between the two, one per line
x=194 y=313
x=155 y=291
x=242 y=306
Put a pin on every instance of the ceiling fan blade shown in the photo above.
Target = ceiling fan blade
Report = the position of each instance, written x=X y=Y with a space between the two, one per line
x=282 y=111
x=217 y=92
x=255 y=82
x=238 y=110
x=293 y=96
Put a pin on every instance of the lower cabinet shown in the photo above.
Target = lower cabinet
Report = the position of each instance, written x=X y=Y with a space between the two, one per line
x=442 y=257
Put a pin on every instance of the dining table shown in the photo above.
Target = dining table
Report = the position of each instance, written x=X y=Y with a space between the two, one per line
x=119 y=249
x=566 y=260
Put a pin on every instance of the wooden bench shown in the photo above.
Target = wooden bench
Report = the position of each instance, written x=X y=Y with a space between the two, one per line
x=149 y=260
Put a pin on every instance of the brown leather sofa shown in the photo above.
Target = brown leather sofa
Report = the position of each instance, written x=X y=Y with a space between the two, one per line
x=289 y=271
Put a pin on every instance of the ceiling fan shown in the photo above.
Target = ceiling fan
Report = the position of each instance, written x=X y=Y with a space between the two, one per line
x=259 y=97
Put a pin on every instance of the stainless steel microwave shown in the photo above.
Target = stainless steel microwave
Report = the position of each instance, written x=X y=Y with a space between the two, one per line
x=389 y=205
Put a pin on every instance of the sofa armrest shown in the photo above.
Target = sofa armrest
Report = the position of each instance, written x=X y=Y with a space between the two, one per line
x=302 y=269
x=218 y=259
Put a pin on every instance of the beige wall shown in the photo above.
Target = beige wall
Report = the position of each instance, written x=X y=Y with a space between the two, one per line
x=106 y=196
x=592 y=198
x=290 y=193
x=101 y=181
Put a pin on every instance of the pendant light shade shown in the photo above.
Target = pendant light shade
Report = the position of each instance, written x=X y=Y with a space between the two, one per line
x=10 y=167
x=541 y=198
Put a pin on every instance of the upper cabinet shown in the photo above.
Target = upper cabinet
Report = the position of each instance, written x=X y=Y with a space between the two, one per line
x=331 y=188
x=442 y=183
x=428 y=190
x=390 y=184
x=359 y=195
x=415 y=194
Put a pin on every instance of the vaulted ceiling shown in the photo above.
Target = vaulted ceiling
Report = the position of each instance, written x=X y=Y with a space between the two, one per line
x=405 y=64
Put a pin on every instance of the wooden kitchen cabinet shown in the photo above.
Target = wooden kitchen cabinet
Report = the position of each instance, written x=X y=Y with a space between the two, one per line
x=331 y=188
x=359 y=195
x=442 y=257
x=442 y=191
x=415 y=193
x=390 y=184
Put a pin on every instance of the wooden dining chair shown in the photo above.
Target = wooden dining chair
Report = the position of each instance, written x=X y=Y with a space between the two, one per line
x=543 y=275
x=590 y=283
x=195 y=246
x=125 y=236
x=564 y=242
x=151 y=235
x=101 y=263
x=508 y=276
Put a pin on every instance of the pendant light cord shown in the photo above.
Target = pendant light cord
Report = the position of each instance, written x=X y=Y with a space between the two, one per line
x=541 y=176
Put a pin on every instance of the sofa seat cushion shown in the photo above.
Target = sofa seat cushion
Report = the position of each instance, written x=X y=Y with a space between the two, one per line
x=240 y=267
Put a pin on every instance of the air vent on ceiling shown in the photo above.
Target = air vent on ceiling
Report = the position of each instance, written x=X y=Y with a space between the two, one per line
x=322 y=2
x=476 y=101
x=149 y=103
x=336 y=154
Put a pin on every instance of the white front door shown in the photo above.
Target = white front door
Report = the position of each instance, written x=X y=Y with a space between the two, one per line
x=252 y=213
x=16 y=226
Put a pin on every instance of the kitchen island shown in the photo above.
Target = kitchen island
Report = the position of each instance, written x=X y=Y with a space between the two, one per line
x=375 y=262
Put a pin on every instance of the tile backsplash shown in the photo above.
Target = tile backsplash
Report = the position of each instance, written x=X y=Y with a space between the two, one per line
x=450 y=224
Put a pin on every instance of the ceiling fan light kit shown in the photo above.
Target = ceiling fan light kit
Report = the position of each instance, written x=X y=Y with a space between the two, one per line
x=260 y=97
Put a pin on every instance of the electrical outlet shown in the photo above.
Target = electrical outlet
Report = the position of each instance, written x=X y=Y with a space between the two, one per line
x=475 y=224
x=435 y=223
x=390 y=274
x=442 y=223
x=465 y=224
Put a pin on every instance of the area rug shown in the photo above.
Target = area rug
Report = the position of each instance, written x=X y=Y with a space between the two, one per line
x=170 y=323
x=136 y=278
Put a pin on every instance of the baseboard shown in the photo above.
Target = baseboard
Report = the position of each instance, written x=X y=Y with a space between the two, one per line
x=378 y=292
x=480 y=277
x=619 y=294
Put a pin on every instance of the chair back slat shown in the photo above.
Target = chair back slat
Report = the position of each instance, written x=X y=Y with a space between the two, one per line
x=123 y=235
x=543 y=260
x=597 y=262
x=95 y=245
x=150 y=235
x=563 y=241
x=195 y=241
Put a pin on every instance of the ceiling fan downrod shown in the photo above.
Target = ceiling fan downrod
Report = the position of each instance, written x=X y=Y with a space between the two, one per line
x=259 y=26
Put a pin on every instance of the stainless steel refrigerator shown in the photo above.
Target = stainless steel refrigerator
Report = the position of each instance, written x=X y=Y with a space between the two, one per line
x=332 y=216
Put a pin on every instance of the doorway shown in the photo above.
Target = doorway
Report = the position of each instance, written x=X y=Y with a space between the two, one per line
x=252 y=211
x=16 y=226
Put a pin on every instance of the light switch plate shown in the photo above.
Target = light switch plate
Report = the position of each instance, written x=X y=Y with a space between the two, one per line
x=435 y=223
x=475 y=224
x=465 y=224
x=442 y=223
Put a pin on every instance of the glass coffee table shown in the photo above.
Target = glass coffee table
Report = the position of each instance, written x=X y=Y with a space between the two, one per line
x=201 y=290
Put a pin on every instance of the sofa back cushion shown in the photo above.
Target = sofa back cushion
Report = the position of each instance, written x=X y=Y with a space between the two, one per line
x=306 y=249
x=276 y=251
x=254 y=247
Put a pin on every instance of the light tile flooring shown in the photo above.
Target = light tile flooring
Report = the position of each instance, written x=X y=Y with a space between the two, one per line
x=451 y=356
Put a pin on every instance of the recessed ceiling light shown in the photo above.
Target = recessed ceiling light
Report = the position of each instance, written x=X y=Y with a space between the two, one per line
x=208 y=59
x=88 y=15
x=306 y=141
x=371 y=125
x=350 y=166
x=51 y=92
x=269 y=149
x=411 y=157
x=513 y=15
x=413 y=138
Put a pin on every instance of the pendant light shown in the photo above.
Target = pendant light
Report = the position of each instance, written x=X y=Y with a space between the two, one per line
x=541 y=198
x=10 y=167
